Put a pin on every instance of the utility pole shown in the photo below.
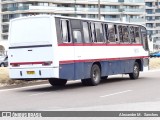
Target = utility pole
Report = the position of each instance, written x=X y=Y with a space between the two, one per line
x=75 y=8
x=99 y=9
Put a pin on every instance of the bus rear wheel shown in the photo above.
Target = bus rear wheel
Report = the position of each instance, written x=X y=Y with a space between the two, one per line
x=135 y=73
x=57 y=82
x=95 y=76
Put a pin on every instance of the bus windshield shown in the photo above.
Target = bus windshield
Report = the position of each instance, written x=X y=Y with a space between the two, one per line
x=30 y=31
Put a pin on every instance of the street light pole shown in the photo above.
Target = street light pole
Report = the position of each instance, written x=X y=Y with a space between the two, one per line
x=99 y=9
x=75 y=9
x=121 y=10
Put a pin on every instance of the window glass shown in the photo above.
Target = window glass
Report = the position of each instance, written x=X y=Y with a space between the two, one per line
x=144 y=38
x=65 y=31
x=77 y=36
x=137 y=35
x=105 y=27
x=132 y=34
x=99 y=32
x=86 y=32
x=93 y=33
x=120 y=33
x=111 y=33
x=125 y=34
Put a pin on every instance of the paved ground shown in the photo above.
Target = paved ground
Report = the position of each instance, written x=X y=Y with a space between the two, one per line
x=116 y=93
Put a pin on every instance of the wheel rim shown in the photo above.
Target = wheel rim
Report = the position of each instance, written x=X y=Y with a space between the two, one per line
x=136 y=70
x=95 y=75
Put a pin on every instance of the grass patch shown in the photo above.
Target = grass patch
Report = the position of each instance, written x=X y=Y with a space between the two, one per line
x=154 y=63
x=5 y=80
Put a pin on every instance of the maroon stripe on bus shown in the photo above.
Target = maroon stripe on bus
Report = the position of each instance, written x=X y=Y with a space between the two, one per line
x=84 y=60
x=26 y=63
x=96 y=44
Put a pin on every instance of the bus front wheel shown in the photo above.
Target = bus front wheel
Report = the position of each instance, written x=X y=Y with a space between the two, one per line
x=57 y=82
x=135 y=73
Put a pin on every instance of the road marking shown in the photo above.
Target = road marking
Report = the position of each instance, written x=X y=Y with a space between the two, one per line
x=23 y=87
x=157 y=70
x=116 y=93
x=39 y=93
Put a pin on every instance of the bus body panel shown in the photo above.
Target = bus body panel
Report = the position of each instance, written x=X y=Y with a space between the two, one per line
x=35 y=59
x=111 y=62
x=71 y=61
x=39 y=73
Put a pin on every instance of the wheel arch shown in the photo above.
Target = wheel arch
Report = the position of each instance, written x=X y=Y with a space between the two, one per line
x=139 y=61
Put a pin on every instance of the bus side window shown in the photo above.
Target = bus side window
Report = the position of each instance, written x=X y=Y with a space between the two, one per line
x=105 y=29
x=99 y=32
x=120 y=33
x=125 y=34
x=144 y=38
x=111 y=33
x=116 y=33
x=137 y=35
x=93 y=32
x=65 y=28
x=132 y=34
x=77 y=36
x=86 y=32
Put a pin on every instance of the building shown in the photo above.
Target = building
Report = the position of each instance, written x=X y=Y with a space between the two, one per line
x=153 y=21
x=112 y=10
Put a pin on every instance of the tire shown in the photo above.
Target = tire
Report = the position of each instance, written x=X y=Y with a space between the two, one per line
x=85 y=82
x=135 y=74
x=57 y=82
x=104 y=77
x=95 y=76
x=2 y=65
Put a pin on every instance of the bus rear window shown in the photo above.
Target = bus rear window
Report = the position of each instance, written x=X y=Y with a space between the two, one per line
x=29 y=31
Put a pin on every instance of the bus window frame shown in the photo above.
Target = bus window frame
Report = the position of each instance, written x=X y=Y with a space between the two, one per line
x=68 y=32
x=133 y=33
x=124 y=34
x=101 y=36
x=92 y=34
x=105 y=32
x=140 y=41
x=121 y=41
x=145 y=45
x=89 y=31
x=77 y=30
x=115 y=36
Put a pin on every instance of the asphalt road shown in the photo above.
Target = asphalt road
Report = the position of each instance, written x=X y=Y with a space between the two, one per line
x=115 y=93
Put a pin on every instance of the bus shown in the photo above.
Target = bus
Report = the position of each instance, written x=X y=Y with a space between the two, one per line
x=58 y=49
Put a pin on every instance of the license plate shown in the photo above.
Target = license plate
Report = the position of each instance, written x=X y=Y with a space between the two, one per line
x=30 y=72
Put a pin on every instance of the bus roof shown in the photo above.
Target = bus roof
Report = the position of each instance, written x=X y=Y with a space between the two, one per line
x=76 y=18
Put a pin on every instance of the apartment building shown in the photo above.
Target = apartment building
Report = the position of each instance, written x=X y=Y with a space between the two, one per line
x=112 y=10
x=153 y=20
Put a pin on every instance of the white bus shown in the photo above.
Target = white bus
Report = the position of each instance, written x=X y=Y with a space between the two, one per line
x=63 y=48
